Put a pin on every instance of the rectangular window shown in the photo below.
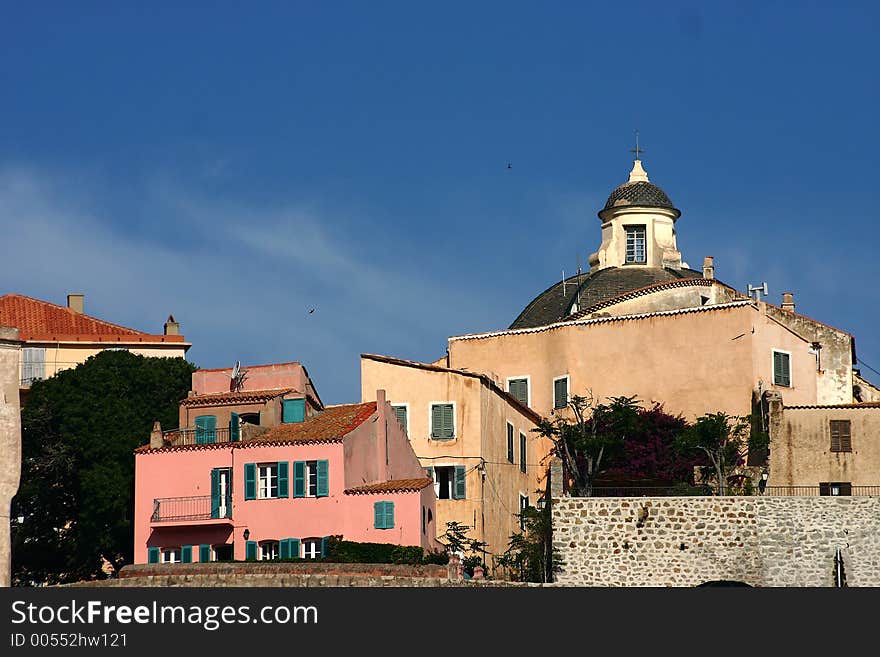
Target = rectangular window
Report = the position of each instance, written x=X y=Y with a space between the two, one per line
x=400 y=411
x=841 y=438
x=449 y=482
x=523 y=505
x=293 y=410
x=171 y=555
x=781 y=368
x=33 y=364
x=267 y=480
x=522 y=452
x=519 y=389
x=635 y=244
x=442 y=421
x=510 y=442
x=206 y=429
x=311 y=548
x=560 y=392
x=268 y=550
x=221 y=493
x=835 y=488
x=383 y=515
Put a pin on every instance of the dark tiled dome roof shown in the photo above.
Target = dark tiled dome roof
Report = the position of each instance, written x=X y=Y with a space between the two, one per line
x=640 y=193
x=554 y=303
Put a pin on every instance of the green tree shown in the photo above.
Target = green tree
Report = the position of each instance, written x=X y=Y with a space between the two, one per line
x=725 y=440
x=590 y=442
x=457 y=541
x=530 y=556
x=79 y=429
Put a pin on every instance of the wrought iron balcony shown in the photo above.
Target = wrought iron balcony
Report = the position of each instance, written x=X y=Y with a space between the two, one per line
x=196 y=436
x=183 y=509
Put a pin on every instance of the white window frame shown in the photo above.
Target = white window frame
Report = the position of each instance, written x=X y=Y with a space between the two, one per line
x=431 y=419
x=265 y=550
x=773 y=368
x=175 y=554
x=626 y=232
x=265 y=492
x=224 y=483
x=567 y=378
x=27 y=378
x=311 y=473
x=528 y=379
x=510 y=442
x=451 y=491
x=528 y=503
x=406 y=406
x=314 y=543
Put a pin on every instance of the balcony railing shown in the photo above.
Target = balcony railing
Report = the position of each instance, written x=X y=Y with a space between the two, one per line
x=178 y=509
x=197 y=436
x=681 y=491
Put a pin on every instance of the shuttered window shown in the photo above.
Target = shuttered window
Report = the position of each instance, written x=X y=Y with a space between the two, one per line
x=459 y=492
x=781 y=369
x=250 y=550
x=560 y=392
x=204 y=552
x=519 y=389
x=293 y=410
x=186 y=553
x=383 y=515
x=400 y=412
x=522 y=452
x=250 y=481
x=33 y=364
x=835 y=488
x=234 y=427
x=206 y=429
x=510 y=442
x=442 y=421
x=153 y=555
x=841 y=438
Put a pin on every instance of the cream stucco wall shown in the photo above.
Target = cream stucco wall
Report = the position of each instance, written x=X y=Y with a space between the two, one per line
x=493 y=484
x=10 y=441
x=800 y=446
x=660 y=240
x=694 y=362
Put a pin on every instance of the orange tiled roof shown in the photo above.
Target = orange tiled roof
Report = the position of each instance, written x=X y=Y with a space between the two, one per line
x=241 y=397
x=393 y=486
x=40 y=320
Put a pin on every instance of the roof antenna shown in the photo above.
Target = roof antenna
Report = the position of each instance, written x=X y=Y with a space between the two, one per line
x=236 y=382
x=563 y=283
x=579 y=282
x=758 y=290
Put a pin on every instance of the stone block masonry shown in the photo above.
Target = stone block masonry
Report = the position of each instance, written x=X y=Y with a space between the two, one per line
x=687 y=541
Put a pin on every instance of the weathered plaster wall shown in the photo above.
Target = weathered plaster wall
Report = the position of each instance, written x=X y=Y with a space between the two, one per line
x=686 y=541
x=10 y=440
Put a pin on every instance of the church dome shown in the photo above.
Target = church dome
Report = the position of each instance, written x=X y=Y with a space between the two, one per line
x=640 y=193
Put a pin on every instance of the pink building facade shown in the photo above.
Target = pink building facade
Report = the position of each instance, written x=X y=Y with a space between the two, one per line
x=281 y=486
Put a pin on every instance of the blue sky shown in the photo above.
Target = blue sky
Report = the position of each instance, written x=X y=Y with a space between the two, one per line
x=238 y=166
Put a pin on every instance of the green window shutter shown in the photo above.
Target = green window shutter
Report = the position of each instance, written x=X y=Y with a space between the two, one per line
x=324 y=542
x=379 y=515
x=234 y=428
x=206 y=429
x=519 y=389
x=284 y=548
x=215 y=493
x=186 y=554
x=459 y=491
x=299 y=478
x=560 y=393
x=389 y=515
x=153 y=555
x=250 y=481
x=282 y=478
x=250 y=550
x=781 y=369
x=436 y=421
x=510 y=442
x=400 y=412
x=522 y=452
x=442 y=421
x=429 y=472
x=294 y=548
x=204 y=552
x=323 y=478
x=293 y=410
x=448 y=421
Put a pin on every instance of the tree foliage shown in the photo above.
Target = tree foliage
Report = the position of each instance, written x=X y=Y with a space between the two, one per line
x=79 y=429
x=530 y=556
x=725 y=440
x=456 y=541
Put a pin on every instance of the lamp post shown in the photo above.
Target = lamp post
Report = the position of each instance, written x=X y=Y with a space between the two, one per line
x=762 y=485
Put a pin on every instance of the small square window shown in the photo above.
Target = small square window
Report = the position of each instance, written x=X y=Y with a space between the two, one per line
x=442 y=421
x=519 y=389
x=267 y=480
x=781 y=369
x=268 y=550
x=171 y=555
x=841 y=437
x=835 y=488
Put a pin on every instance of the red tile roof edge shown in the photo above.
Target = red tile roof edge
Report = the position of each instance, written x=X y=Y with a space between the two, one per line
x=391 y=486
x=118 y=338
x=210 y=398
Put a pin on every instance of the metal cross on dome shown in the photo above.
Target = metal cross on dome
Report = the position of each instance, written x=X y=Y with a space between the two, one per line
x=637 y=150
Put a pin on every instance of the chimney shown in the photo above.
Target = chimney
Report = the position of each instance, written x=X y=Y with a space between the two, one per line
x=708 y=267
x=156 y=441
x=381 y=437
x=788 y=301
x=76 y=302
x=172 y=327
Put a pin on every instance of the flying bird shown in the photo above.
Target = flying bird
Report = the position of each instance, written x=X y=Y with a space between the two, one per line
x=509 y=165
x=311 y=311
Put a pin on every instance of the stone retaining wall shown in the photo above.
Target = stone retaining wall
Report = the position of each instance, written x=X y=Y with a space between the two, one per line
x=686 y=541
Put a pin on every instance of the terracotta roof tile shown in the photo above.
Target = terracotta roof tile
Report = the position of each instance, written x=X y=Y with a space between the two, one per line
x=241 y=397
x=393 y=486
x=40 y=320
